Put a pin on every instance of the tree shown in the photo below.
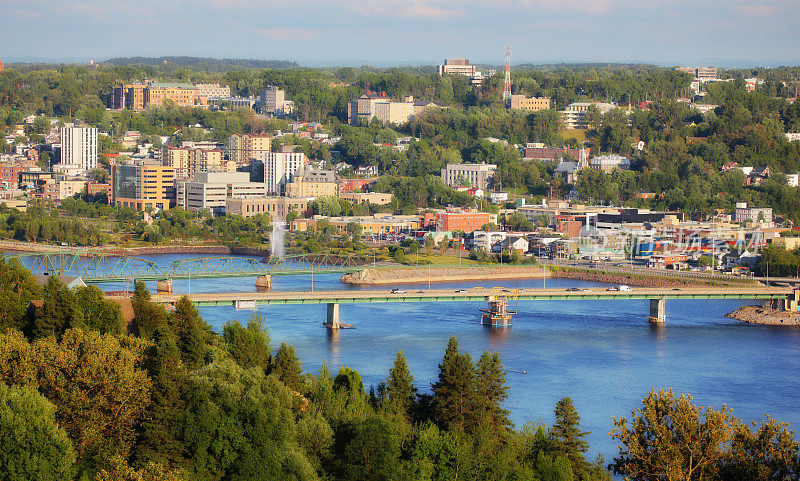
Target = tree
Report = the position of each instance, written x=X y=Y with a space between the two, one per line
x=566 y=438
x=430 y=243
x=59 y=311
x=490 y=380
x=189 y=330
x=355 y=229
x=670 y=438
x=454 y=401
x=118 y=470
x=400 y=390
x=147 y=316
x=99 y=313
x=17 y=289
x=766 y=452
x=288 y=368
x=249 y=345
x=32 y=445
x=239 y=425
x=368 y=450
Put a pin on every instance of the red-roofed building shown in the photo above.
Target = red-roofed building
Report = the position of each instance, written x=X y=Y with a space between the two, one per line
x=349 y=185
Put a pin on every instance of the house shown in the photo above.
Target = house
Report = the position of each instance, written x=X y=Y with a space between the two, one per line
x=757 y=176
x=512 y=243
x=569 y=171
x=744 y=258
x=485 y=240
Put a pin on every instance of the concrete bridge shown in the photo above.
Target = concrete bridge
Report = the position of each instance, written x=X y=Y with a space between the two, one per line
x=782 y=298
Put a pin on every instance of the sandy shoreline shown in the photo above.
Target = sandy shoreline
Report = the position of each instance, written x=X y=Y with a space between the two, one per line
x=765 y=316
x=402 y=275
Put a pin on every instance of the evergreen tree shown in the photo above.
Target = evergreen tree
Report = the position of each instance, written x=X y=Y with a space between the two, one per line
x=17 y=289
x=288 y=368
x=455 y=401
x=566 y=436
x=249 y=345
x=147 y=316
x=400 y=391
x=100 y=313
x=59 y=311
x=492 y=390
x=188 y=327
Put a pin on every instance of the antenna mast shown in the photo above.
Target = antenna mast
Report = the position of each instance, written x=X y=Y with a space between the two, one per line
x=507 y=86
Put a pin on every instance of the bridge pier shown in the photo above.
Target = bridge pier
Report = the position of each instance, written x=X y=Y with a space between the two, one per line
x=164 y=286
x=264 y=283
x=332 y=322
x=658 y=313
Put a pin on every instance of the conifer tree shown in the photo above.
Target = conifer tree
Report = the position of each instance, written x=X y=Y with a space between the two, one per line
x=249 y=345
x=58 y=312
x=400 y=391
x=454 y=392
x=566 y=436
x=492 y=390
x=147 y=316
x=287 y=367
x=187 y=325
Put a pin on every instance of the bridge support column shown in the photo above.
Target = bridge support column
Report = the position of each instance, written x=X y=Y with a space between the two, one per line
x=164 y=286
x=264 y=283
x=332 y=322
x=658 y=313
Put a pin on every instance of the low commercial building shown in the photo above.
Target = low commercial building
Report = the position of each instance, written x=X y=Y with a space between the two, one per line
x=575 y=115
x=208 y=91
x=538 y=151
x=609 y=163
x=276 y=207
x=463 y=220
x=533 y=104
x=752 y=214
x=375 y=198
x=377 y=105
x=211 y=190
x=477 y=175
x=143 y=185
x=377 y=224
x=457 y=66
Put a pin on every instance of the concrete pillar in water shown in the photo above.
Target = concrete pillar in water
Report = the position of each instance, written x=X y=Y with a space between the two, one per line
x=264 y=283
x=658 y=313
x=164 y=286
x=332 y=322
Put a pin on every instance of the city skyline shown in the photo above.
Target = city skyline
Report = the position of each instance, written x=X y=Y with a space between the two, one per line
x=382 y=33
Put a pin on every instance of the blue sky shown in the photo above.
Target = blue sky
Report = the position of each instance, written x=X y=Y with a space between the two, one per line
x=381 y=32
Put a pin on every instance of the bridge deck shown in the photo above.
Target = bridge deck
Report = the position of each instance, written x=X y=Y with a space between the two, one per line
x=449 y=295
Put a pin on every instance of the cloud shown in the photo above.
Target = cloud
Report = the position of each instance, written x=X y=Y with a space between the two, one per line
x=26 y=14
x=757 y=10
x=282 y=34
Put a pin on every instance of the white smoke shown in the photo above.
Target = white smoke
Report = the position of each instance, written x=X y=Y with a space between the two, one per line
x=276 y=239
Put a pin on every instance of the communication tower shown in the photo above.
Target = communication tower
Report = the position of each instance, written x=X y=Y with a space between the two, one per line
x=507 y=86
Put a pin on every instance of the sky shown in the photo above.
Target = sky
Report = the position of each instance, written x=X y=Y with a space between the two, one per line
x=395 y=32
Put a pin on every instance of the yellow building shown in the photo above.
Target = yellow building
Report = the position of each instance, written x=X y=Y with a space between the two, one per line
x=276 y=207
x=533 y=104
x=244 y=147
x=142 y=186
x=181 y=94
x=208 y=160
x=312 y=183
x=375 y=198
x=176 y=158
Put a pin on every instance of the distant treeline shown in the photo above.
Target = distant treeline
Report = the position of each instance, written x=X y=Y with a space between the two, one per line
x=204 y=63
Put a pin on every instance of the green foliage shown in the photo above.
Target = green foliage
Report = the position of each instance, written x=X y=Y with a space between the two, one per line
x=17 y=289
x=400 y=392
x=32 y=445
x=566 y=437
x=249 y=345
x=288 y=368
x=190 y=331
x=456 y=404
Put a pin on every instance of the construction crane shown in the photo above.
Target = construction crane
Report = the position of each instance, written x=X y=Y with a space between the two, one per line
x=507 y=86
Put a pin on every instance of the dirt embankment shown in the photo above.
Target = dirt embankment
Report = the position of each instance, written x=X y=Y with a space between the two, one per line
x=766 y=316
x=402 y=275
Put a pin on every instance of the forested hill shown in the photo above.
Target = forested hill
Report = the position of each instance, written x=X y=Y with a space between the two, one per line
x=205 y=63
x=553 y=67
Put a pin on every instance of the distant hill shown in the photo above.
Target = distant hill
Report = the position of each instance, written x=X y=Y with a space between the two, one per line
x=205 y=63
x=583 y=66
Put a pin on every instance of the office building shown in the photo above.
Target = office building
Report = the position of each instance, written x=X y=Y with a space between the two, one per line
x=476 y=175
x=211 y=190
x=458 y=66
x=79 y=146
x=533 y=104
x=276 y=207
x=208 y=160
x=177 y=158
x=373 y=105
x=128 y=96
x=180 y=94
x=575 y=115
x=242 y=148
x=280 y=169
x=312 y=183
x=208 y=91
x=703 y=74
x=273 y=101
x=463 y=220
x=538 y=151
x=143 y=185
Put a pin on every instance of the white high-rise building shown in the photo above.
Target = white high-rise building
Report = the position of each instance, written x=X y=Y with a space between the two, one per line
x=79 y=146
x=280 y=169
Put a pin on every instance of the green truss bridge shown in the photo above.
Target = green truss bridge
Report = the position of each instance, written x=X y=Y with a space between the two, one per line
x=100 y=267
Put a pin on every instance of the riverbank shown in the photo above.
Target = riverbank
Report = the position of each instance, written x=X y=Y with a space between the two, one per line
x=402 y=275
x=766 y=316
x=632 y=279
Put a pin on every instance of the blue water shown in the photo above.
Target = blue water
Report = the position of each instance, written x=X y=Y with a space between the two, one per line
x=603 y=354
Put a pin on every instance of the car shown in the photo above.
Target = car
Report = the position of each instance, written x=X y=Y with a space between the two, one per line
x=398 y=291
x=574 y=289
x=420 y=291
x=583 y=289
x=613 y=289
x=461 y=290
x=676 y=289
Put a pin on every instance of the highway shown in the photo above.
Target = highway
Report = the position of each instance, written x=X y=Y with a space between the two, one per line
x=475 y=294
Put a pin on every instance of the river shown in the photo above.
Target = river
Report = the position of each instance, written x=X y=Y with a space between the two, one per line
x=603 y=354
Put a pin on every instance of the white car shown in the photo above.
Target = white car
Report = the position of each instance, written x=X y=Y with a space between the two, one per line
x=398 y=291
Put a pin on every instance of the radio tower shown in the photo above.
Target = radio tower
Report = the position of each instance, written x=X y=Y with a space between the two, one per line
x=507 y=86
